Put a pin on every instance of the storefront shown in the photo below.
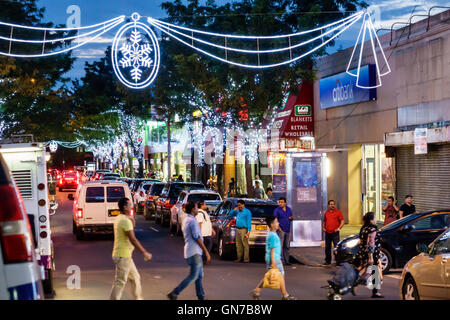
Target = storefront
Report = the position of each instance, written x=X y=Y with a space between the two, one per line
x=351 y=122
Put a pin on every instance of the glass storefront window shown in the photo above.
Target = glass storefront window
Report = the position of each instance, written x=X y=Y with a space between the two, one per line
x=378 y=173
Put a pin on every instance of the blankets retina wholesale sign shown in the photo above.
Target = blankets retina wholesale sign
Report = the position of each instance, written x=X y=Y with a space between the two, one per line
x=341 y=89
x=296 y=121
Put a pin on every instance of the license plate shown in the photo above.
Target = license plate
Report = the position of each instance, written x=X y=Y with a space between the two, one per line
x=261 y=227
x=114 y=212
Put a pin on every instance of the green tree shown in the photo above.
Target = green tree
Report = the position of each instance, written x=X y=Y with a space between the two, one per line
x=34 y=97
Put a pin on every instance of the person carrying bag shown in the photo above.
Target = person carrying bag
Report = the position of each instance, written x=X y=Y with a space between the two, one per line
x=274 y=278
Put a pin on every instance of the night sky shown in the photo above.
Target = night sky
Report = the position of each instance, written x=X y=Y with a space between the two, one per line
x=95 y=11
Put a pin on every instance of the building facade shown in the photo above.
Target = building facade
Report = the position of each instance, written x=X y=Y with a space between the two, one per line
x=371 y=134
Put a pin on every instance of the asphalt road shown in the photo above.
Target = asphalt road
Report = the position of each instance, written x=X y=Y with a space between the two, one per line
x=224 y=280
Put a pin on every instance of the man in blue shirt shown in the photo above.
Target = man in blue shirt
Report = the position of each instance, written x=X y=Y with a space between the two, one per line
x=193 y=249
x=284 y=215
x=243 y=226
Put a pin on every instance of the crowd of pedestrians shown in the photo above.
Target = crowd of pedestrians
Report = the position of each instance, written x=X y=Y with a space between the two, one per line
x=198 y=232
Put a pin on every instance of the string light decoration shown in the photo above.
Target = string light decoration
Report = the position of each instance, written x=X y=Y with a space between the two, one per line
x=135 y=45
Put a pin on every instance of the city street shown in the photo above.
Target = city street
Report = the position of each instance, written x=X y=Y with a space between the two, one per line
x=224 y=280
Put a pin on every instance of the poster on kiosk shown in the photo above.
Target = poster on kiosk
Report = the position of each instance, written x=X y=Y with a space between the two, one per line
x=306 y=193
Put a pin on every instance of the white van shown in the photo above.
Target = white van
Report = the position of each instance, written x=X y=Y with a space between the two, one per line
x=95 y=206
x=28 y=167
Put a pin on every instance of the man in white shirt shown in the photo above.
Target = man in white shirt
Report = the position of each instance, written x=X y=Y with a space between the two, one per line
x=205 y=223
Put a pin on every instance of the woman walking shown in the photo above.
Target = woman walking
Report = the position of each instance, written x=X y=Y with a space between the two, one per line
x=273 y=259
x=369 y=248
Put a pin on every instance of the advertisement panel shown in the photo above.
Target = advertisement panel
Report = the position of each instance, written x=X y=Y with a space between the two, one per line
x=341 y=89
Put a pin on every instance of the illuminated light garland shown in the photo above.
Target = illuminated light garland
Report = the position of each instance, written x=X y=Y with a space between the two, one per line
x=352 y=18
x=258 y=66
x=64 y=50
x=147 y=55
x=368 y=26
x=105 y=25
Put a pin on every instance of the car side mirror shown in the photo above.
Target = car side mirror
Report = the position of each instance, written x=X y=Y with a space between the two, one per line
x=422 y=248
x=70 y=197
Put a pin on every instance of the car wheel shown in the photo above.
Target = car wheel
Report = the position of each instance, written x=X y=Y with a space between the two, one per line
x=47 y=284
x=146 y=214
x=223 y=250
x=164 y=221
x=60 y=189
x=386 y=260
x=74 y=228
x=171 y=225
x=79 y=234
x=157 y=220
x=409 y=291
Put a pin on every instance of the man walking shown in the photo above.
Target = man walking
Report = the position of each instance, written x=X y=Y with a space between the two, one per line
x=243 y=226
x=258 y=192
x=193 y=249
x=407 y=208
x=204 y=220
x=284 y=216
x=124 y=243
x=333 y=222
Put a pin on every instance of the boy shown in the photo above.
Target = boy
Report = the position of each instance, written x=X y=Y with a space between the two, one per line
x=273 y=258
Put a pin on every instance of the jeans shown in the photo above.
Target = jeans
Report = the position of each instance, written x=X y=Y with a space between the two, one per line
x=330 y=238
x=195 y=274
x=125 y=269
x=285 y=245
x=242 y=247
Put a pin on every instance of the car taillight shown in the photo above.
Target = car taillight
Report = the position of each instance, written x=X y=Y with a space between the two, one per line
x=80 y=213
x=132 y=212
x=15 y=231
x=150 y=198
x=60 y=181
x=141 y=193
x=167 y=204
x=232 y=223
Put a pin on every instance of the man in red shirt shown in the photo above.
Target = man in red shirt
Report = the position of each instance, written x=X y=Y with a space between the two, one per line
x=333 y=221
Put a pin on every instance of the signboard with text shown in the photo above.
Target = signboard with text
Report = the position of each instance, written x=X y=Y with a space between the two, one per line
x=341 y=89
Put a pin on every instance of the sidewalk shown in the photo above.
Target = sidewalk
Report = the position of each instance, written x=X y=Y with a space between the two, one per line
x=315 y=256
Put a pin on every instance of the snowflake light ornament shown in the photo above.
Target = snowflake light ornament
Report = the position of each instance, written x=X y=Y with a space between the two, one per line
x=139 y=63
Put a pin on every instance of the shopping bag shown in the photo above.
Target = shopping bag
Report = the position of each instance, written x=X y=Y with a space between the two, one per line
x=272 y=279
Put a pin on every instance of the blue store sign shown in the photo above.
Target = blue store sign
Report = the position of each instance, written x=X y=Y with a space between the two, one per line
x=341 y=89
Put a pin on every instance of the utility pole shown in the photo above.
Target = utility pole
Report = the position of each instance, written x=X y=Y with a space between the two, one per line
x=169 y=149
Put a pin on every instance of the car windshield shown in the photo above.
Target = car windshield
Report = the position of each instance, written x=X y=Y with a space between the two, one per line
x=70 y=175
x=203 y=196
x=146 y=187
x=157 y=189
x=400 y=222
x=261 y=211
x=178 y=187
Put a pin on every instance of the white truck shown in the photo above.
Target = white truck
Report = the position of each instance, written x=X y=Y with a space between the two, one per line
x=27 y=163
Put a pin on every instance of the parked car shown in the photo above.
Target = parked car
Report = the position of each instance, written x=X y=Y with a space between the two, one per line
x=427 y=276
x=153 y=194
x=19 y=271
x=100 y=173
x=140 y=196
x=169 y=197
x=111 y=176
x=95 y=206
x=137 y=183
x=177 y=213
x=399 y=238
x=69 y=180
x=225 y=225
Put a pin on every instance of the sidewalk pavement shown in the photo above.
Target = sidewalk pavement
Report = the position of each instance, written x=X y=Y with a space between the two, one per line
x=315 y=256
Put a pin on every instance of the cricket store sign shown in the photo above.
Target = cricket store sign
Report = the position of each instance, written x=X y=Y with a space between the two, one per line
x=341 y=89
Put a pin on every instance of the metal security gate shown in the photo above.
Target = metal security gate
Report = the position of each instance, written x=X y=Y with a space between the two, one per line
x=426 y=177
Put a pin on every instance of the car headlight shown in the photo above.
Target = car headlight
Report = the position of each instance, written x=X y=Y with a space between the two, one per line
x=351 y=244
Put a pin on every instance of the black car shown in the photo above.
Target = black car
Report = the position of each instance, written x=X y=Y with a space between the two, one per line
x=399 y=238
x=225 y=225
x=153 y=194
x=169 y=197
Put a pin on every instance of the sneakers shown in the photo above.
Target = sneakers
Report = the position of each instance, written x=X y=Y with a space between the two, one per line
x=288 y=297
x=172 y=296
